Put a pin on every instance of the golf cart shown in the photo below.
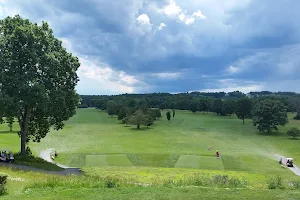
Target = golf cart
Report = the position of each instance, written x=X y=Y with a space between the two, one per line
x=6 y=156
x=289 y=162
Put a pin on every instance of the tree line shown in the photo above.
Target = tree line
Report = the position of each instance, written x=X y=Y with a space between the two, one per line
x=267 y=111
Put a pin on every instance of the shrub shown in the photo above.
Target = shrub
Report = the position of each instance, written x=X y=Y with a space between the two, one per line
x=2 y=185
x=275 y=183
x=293 y=132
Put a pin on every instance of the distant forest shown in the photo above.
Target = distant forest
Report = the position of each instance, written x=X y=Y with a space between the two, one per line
x=194 y=101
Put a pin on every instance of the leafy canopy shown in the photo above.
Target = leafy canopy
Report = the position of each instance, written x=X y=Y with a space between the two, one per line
x=37 y=78
x=243 y=108
x=268 y=114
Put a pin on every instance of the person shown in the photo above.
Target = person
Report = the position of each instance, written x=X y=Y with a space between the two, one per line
x=11 y=158
x=217 y=154
x=209 y=148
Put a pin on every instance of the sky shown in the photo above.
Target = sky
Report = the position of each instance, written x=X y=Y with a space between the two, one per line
x=145 y=46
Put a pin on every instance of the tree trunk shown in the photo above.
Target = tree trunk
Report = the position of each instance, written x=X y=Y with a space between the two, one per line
x=243 y=121
x=10 y=127
x=24 y=129
x=138 y=126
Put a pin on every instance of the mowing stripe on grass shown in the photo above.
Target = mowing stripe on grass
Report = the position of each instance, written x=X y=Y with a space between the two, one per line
x=107 y=160
x=199 y=162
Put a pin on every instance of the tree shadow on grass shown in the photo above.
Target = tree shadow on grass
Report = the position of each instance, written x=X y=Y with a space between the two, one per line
x=277 y=134
x=141 y=129
x=8 y=132
x=294 y=139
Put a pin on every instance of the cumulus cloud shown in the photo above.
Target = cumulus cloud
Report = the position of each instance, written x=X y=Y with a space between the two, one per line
x=161 y=26
x=130 y=38
x=174 y=11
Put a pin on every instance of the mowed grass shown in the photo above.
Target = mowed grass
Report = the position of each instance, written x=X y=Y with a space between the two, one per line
x=242 y=147
x=199 y=162
x=107 y=160
x=94 y=132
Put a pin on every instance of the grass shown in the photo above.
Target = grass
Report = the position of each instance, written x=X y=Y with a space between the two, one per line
x=202 y=162
x=107 y=160
x=36 y=162
x=171 y=156
x=241 y=146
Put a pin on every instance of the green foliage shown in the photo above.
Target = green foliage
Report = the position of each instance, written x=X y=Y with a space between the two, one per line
x=268 y=114
x=44 y=94
x=138 y=118
x=228 y=107
x=168 y=115
x=194 y=106
x=218 y=106
x=276 y=183
x=243 y=108
x=293 y=132
x=2 y=185
x=148 y=120
x=297 y=117
x=112 y=107
x=30 y=160
x=122 y=113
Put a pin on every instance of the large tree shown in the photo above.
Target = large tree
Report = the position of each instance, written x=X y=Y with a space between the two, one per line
x=268 y=114
x=194 y=105
x=138 y=118
x=112 y=107
x=228 y=107
x=243 y=108
x=37 y=77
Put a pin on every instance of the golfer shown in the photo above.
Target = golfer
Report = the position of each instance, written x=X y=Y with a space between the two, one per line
x=217 y=154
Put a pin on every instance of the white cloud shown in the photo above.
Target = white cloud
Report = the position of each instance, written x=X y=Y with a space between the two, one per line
x=144 y=24
x=182 y=17
x=199 y=15
x=105 y=79
x=143 y=19
x=161 y=26
x=166 y=75
x=189 y=20
x=229 y=85
x=232 y=69
x=172 y=9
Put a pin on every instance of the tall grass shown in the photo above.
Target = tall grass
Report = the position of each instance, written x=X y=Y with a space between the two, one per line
x=219 y=181
x=2 y=185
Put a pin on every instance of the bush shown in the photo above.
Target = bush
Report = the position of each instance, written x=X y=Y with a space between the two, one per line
x=275 y=183
x=293 y=132
x=2 y=185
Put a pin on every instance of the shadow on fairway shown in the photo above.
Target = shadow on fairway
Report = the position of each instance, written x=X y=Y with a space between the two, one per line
x=141 y=129
x=271 y=134
x=7 y=132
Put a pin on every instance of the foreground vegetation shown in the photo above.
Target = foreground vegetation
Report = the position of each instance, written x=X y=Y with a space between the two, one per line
x=194 y=184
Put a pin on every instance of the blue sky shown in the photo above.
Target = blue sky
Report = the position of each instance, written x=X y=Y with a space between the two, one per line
x=141 y=46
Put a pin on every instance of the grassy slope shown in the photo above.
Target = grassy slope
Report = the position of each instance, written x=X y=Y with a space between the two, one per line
x=242 y=148
x=22 y=185
x=244 y=154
